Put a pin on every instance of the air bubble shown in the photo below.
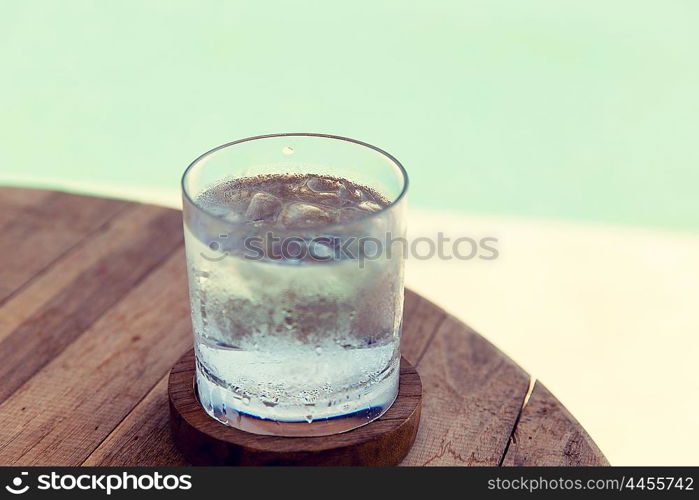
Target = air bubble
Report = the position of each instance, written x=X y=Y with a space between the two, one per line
x=309 y=418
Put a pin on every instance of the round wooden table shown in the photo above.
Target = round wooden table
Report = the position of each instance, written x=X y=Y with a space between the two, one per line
x=94 y=313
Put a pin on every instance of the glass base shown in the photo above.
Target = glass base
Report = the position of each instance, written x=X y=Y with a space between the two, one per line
x=358 y=408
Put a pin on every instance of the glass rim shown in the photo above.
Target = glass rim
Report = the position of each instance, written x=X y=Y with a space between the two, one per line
x=393 y=159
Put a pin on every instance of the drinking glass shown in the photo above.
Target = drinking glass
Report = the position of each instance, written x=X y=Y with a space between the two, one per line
x=296 y=304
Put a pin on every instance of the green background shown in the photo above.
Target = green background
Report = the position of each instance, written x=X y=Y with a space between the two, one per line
x=582 y=110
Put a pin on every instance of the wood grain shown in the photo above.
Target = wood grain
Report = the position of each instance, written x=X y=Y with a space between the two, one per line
x=472 y=398
x=34 y=235
x=94 y=313
x=90 y=387
x=143 y=437
x=204 y=441
x=64 y=317
x=547 y=434
x=21 y=203
x=54 y=281
x=421 y=320
x=15 y=201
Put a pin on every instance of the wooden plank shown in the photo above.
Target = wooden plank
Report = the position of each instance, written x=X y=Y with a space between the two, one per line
x=65 y=270
x=547 y=434
x=143 y=437
x=61 y=319
x=36 y=235
x=421 y=319
x=472 y=397
x=19 y=198
x=61 y=210
x=68 y=408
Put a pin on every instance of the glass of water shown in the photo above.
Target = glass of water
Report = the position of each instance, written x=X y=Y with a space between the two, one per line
x=295 y=246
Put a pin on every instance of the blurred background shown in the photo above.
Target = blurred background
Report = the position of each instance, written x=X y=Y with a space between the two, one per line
x=566 y=129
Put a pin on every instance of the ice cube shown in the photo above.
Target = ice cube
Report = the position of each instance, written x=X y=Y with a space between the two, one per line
x=263 y=206
x=323 y=185
x=300 y=215
x=352 y=214
x=350 y=194
x=233 y=217
x=369 y=206
x=217 y=210
x=321 y=249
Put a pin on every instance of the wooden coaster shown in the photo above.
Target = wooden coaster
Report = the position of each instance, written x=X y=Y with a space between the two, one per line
x=205 y=441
